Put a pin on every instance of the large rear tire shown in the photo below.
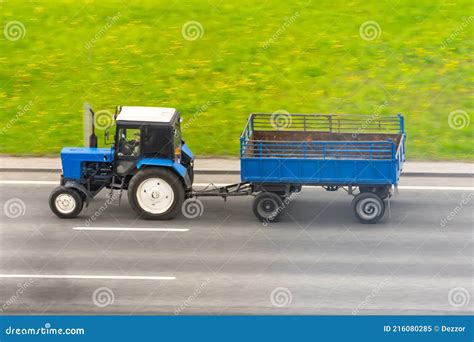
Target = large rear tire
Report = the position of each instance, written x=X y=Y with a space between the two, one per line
x=156 y=193
x=66 y=202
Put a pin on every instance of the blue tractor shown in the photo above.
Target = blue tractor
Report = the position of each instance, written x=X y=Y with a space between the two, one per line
x=148 y=158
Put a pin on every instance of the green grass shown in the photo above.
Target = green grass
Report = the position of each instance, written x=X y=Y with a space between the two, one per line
x=317 y=63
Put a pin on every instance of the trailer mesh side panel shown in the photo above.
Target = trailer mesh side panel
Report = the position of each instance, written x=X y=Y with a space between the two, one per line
x=314 y=136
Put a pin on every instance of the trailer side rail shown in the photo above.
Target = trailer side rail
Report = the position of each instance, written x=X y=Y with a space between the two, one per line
x=318 y=149
x=359 y=126
x=333 y=123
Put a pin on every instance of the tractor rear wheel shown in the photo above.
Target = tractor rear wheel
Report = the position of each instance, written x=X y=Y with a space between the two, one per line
x=66 y=202
x=156 y=193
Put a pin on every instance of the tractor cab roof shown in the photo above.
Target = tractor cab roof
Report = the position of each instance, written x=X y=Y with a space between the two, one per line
x=156 y=115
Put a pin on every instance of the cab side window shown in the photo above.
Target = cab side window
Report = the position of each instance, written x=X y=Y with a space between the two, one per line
x=129 y=142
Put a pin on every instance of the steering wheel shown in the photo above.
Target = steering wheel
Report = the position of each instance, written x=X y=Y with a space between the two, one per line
x=128 y=147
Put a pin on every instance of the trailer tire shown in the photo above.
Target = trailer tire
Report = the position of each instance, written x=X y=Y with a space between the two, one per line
x=66 y=202
x=267 y=207
x=368 y=207
x=156 y=193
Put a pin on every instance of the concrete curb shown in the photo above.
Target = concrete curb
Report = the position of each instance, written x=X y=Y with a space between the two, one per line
x=234 y=172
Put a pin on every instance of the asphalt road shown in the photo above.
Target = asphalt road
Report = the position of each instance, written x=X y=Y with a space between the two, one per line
x=317 y=260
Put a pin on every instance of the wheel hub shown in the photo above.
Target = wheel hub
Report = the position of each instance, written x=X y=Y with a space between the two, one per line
x=65 y=203
x=267 y=208
x=369 y=209
x=155 y=195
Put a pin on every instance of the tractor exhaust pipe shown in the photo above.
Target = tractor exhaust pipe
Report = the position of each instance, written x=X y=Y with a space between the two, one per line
x=90 y=139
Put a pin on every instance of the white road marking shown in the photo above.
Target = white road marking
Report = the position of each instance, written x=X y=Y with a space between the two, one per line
x=66 y=276
x=441 y=188
x=29 y=182
x=401 y=187
x=133 y=229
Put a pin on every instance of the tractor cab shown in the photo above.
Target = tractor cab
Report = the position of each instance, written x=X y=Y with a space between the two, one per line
x=146 y=132
x=147 y=142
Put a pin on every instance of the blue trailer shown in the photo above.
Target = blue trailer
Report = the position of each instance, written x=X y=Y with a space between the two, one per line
x=280 y=153
x=323 y=149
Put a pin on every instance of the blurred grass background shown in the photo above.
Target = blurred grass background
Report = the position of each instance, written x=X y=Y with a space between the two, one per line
x=253 y=56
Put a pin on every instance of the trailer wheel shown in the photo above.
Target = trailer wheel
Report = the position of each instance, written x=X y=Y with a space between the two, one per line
x=267 y=207
x=156 y=193
x=368 y=207
x=66 y=202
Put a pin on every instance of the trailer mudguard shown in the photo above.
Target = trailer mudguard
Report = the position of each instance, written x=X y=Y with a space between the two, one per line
x=177 y=167
x=76 y=185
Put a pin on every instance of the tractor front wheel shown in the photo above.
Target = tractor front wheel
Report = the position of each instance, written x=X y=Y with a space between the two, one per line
x=156 y=193
x=66 y=202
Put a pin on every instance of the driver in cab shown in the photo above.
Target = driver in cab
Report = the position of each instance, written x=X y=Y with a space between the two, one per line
x=129 y=146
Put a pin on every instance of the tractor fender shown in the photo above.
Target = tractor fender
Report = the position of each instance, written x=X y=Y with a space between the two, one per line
x=80 y=188
x=179 y=169
x=186 y=150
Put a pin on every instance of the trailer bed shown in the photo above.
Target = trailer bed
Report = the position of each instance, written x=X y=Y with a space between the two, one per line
x=318 y=149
